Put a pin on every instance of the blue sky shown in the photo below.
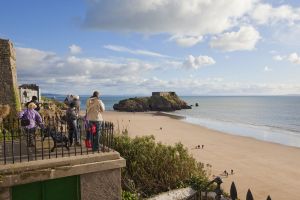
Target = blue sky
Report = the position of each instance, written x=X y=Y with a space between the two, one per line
x=193 y=47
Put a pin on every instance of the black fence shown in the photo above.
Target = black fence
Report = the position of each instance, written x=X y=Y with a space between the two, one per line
x=217 y=194
x=18 y=144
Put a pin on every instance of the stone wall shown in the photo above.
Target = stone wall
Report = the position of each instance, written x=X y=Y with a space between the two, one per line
x=9 y=93
x=104 y=185
x=100 y=174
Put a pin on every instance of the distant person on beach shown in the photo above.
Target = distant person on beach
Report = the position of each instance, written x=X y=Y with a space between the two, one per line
x=34 y=100
x=226 y=173
x=72 y=117
x=34 y=119
x=94 y=108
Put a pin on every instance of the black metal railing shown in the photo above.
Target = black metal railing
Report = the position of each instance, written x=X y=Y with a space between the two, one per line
x=217 y=194
x=18 y=144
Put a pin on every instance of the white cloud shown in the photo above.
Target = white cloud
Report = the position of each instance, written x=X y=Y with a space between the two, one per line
x=267 y=69
x=82 y=75
x=134 y=51
x=213 y=86
x=47 y=67
x=74 y=49
x=278 y=57
x=267 y=14
x=197 y=62
x=186 y=41
x=244 y=39
x=273 y=52
x=294 y=58
x=174 y=17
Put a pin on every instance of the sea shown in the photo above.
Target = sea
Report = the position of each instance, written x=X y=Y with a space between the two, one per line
x=268 y=118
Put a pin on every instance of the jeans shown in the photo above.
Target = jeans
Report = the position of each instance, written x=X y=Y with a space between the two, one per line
x=73 y=132
x=95 y=138
x=30 y=137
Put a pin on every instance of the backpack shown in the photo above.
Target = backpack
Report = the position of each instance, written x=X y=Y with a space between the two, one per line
x=24 y=120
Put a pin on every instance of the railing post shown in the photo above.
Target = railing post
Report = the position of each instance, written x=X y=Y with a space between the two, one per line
x=34 y=140
x=249 y=195
x=4 y=145
x=79 y=126
x=42 y=143
x=48 y=138
x=12 y=142
x=20 y=142
x=233 y=192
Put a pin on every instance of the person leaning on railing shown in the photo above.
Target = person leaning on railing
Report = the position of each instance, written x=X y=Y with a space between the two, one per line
x=35 y=120
x=94 y=108
x=72 y=117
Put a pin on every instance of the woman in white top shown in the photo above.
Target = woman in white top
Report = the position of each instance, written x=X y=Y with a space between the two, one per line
x=94 y=108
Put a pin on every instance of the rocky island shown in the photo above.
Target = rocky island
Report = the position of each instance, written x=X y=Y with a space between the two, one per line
x=159 y=101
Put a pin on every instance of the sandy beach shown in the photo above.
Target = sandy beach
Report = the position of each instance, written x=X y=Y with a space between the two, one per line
x=265 y=168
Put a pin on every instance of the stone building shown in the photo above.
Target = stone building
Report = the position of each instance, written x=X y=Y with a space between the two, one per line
x=9 y=93
x=163 y=93
x=27 y=91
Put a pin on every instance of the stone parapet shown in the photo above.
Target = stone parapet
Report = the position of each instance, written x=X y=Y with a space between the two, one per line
x=99 y=172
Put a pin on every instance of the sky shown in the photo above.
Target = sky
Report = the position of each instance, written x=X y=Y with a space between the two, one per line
x=134 y=47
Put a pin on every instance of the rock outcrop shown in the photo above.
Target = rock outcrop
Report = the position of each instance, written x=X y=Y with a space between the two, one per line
x=166 y=102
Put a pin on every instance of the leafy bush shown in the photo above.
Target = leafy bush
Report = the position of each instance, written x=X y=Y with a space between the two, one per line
x=153 y=168
x=57 y=103
x=126 y=195
x=7 y=135
x=4 y=111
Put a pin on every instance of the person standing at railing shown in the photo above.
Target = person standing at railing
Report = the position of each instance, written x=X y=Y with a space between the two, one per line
x=72 y=117
x=94 y=108
x=34 y=119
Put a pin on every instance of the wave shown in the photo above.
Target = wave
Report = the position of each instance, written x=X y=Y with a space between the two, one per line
x=259 y=132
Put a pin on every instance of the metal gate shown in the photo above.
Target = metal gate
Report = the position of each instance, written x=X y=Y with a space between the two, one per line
x=67 y=188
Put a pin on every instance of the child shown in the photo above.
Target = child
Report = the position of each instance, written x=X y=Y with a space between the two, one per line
x=88 y=143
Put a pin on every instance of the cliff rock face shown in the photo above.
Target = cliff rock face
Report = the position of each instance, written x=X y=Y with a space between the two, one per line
x=165 y=102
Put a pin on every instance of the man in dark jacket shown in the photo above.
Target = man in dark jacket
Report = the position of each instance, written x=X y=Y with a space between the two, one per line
x=72 y=117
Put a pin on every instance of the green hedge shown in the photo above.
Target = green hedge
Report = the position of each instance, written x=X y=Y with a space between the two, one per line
x=152 y=168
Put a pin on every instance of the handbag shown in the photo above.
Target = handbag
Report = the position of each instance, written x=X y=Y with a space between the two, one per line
x=24 y=120
x=94 y=129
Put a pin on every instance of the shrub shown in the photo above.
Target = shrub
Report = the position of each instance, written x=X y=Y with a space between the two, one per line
x=4 y=111
x=126 y=195
x=58 y=104
x=153 y=168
